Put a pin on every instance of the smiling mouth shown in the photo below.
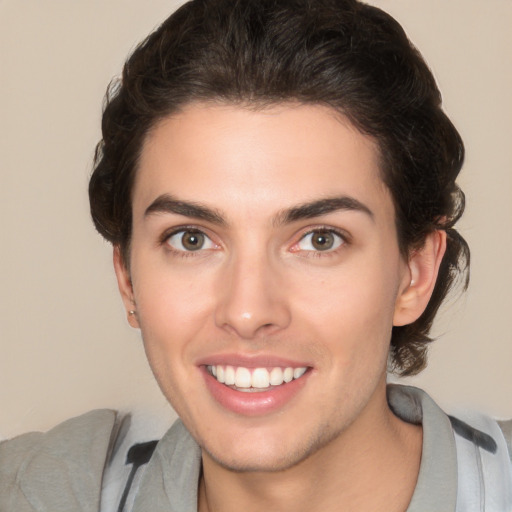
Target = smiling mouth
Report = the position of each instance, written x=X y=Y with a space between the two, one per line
x=254 y=379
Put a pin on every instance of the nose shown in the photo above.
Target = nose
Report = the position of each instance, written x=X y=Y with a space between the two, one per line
x=252 y=300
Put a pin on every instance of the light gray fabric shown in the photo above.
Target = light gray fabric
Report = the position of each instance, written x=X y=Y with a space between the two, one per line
x=506 y=428
x=465 y=465
x=135 y=427
x=63 y=469
x=57 y=471
x=171 y=478
x=436 y=488
x=178 y=458
x=484 y=469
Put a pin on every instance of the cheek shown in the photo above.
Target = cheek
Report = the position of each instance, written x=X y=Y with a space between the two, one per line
x=173 y=308
x=166 y=291
x=353 y=331
x=351 y=313
x=173 y=314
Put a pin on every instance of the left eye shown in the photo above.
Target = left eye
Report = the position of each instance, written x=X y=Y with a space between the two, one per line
x=190 y=240
x=320 y=240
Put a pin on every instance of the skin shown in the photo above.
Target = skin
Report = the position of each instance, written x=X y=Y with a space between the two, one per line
x=258 y=286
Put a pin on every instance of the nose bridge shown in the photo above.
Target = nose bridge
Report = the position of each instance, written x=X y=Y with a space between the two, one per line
x=251 y=300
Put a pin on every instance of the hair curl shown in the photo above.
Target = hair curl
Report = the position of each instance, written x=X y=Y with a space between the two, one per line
x=345 y=54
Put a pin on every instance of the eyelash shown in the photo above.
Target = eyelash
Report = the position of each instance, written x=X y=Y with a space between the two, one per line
x=344 y=241
x=166 y=236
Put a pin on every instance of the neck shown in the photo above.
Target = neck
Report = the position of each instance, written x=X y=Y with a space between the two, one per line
x=372 y=465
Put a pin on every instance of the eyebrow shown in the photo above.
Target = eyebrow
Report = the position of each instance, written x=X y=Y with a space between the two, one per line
x=166 y=203
x=322 y=207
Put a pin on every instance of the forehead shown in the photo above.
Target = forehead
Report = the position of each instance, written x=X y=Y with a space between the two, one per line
x=237 y=158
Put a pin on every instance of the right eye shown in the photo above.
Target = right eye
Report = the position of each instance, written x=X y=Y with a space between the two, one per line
x=321 y=240
x=189 y=240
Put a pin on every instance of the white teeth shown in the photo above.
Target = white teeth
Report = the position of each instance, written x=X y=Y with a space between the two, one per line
x=276 y=376
x=298 y=372
x=260 y=378
x=242 y=378
x=288 y=374
x=257 y=378
x=229 y=376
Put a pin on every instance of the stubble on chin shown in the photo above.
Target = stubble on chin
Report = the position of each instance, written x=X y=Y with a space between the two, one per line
x=271 y=463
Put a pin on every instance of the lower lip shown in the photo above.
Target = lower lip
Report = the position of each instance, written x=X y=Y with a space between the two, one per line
x=253 y=403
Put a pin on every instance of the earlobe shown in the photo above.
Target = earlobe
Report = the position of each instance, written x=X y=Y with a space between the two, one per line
x=419 y=282
x=124 y=283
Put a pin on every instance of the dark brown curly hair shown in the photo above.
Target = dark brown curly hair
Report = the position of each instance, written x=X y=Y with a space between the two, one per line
x=345 y=54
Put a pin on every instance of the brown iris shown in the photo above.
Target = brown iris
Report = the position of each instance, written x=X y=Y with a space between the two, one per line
x=192 y=240
x=322 y=240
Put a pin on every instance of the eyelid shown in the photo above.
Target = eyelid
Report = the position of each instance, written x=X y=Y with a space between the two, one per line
x=343 y=235
x=166 y=235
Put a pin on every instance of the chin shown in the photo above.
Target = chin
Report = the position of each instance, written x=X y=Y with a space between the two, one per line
x=253 y=463
x=270 y=455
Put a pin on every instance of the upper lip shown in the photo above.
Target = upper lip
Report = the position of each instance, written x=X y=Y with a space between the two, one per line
x=251 y=361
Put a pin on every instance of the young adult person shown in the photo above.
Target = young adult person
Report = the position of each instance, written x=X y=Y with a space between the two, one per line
x=277 y=178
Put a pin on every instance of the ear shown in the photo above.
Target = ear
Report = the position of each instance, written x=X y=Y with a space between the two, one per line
x=419 y=281
x=124 y=283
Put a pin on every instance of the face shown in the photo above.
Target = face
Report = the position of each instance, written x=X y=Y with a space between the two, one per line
x=266 y=276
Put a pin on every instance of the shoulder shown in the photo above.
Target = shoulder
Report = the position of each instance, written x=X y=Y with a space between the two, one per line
x=58 y=470
x=484 y=464
x=506 y=429
x=465 y=459
x=136 y=439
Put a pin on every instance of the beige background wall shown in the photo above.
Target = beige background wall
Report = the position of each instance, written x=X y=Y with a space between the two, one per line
x=65 y=345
